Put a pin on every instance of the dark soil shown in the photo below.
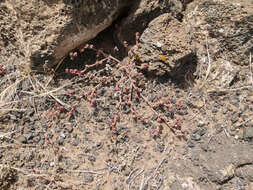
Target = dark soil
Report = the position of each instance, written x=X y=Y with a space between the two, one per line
x=100 y=123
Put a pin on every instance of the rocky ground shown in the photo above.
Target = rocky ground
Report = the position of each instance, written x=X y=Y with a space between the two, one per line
x=175 y=113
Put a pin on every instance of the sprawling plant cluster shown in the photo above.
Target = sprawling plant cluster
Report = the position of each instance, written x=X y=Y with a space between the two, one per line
x=124 y=84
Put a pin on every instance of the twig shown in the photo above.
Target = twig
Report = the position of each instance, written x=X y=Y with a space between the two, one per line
x=88 y=171
x=250 y=66
x=50 y=94
x=239 y=125
x=6 y=134
x=229 y=90
x=131 y=181
x=130 y=175
x=209 y=65
x=26 y=173
x=142 y=182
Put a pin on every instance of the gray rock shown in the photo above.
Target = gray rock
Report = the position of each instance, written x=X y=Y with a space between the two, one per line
x=29 y=136
x=22 y=139
x=76 y=142
x=101 y=127
x=221 y=165
x=88 y=179
x=228 y=27
x=92 y=158
x=245 y=172
x=174 y=52
x=248 y=133
x=195 y=137
x=190 y=144
x=56 y=27
x=144 y=12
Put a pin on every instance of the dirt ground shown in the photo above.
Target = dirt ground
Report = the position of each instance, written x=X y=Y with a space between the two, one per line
x=103 y=122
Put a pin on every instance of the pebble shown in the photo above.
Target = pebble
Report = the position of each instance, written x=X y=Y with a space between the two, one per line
x=36 y=139
x=101 y=91
x=173 y=100
x=88 y=179
x=32 y=127
x=201 y=123
x=69 y=128
x=22 y=139
x=60 y=141
x=51 y=164
x=29 y=136
x=86 y=130
x=62 y=134
x=195 y=137
x=190 y=144
x=235 y=117
x=101 y=127
x=214 y=111
x=99 y=145
x=248 y=133
x=160 y=147
x=92 y=158
x=202 y=131
x=76 y=142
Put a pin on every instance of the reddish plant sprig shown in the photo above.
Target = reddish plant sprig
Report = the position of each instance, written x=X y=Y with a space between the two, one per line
x=2 y=72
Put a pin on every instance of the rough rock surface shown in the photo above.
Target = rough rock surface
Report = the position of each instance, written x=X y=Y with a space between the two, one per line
x=164 y=46
x=48 y=30
x=144 y=12
x=8 y=176
x=228 y=27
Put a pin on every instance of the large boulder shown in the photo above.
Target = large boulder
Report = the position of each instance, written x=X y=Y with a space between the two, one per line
x=165 y=46
x=226 y=26
x=43 y=32
x=47 y=30
x=141 y=14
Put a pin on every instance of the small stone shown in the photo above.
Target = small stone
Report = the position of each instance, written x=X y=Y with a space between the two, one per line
x=60 y=141
x=101 y=127
x=214 y=111
x=22 y=139
x=160 y=147
x=201 y=123
x=235 y=101
x=29 y=136
x=248 y=133
x=88 y=179
x=69 y=129
x=195 y=137
x=235 y=117
x=86 y=130
x=101 y=91
x=62 y=135
x=91 y=158
x=99 y=145
x=32 y=127
x=173 y=100
x=99 y=119
x=30 y=113
x=159 y=44
x=76 y=142
x=190 y=144
x=36 y=139
x=202 y=131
